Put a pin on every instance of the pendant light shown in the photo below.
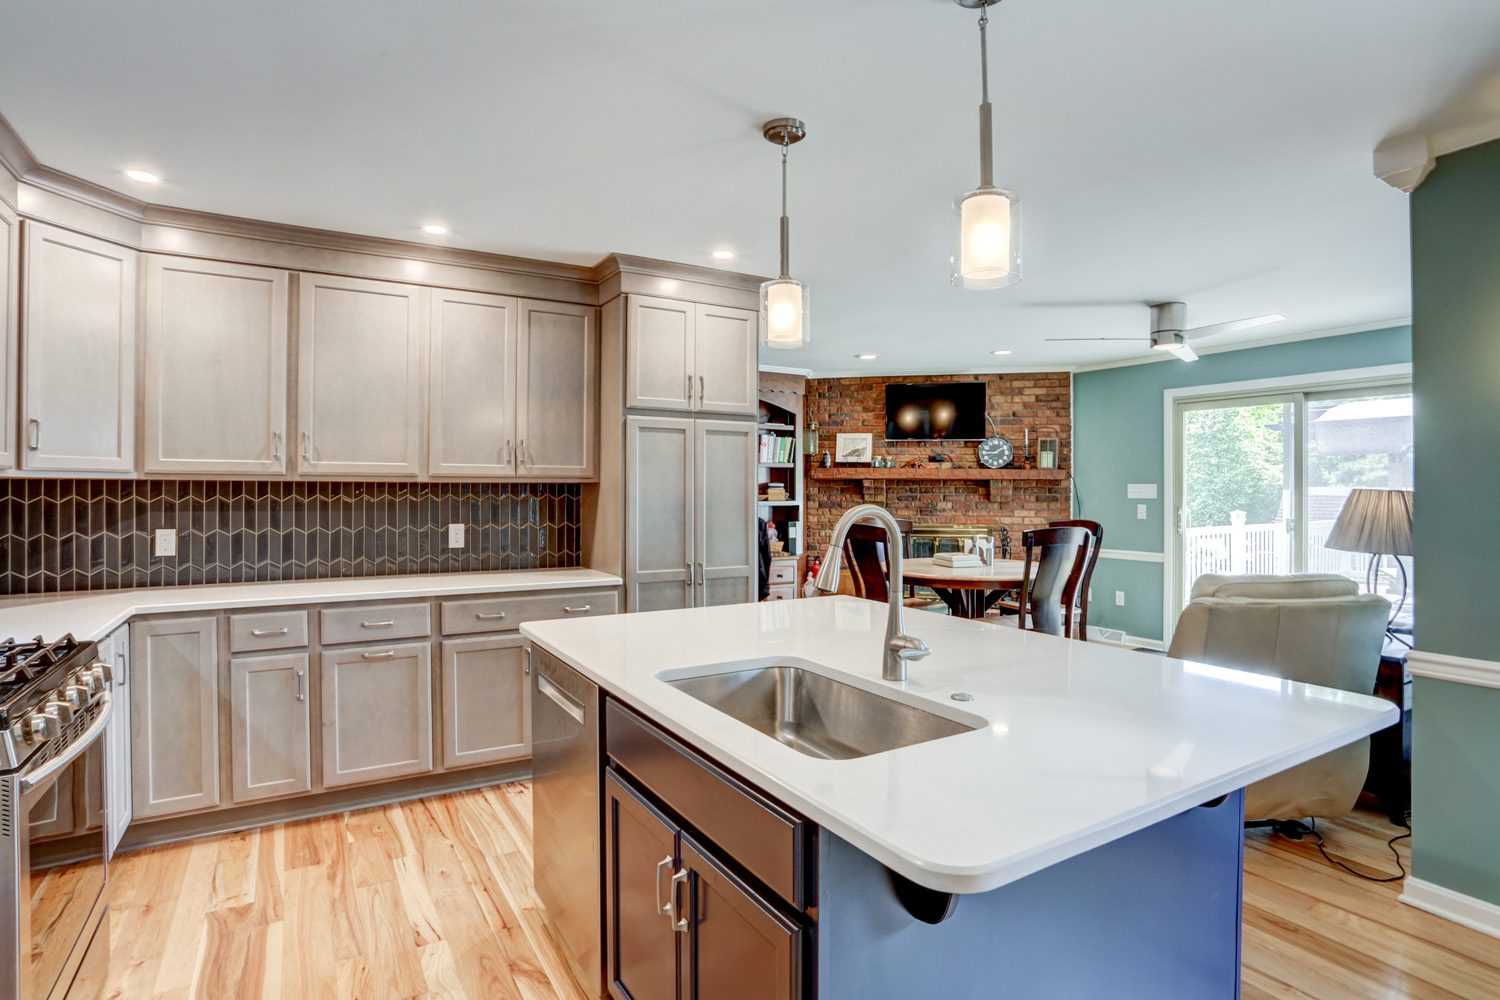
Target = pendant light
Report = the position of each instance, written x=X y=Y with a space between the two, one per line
x=987 y=226
x=783 y=302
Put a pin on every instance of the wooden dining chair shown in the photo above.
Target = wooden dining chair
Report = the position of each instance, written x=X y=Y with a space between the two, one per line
x=1058 y=555
x=867 y=560
x=1077 y=597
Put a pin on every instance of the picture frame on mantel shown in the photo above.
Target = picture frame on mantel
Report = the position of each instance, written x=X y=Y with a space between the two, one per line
x=854 y=449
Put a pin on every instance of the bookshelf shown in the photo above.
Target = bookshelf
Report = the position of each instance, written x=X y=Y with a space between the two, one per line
x=779 y=459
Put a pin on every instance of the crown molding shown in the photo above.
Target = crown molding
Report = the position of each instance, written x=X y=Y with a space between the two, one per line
x=617 y=264
x=926 y=372
x=782 y=370
x=15 y=155
x=1404 y=161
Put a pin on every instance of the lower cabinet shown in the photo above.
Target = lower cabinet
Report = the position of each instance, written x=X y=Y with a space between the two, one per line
x=377 y=713
x=115 y=651
x=174 y=716
x=486 y=700
x=270 y=729
x=679 y=923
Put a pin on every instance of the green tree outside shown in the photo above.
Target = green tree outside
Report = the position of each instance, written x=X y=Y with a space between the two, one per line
x=1233 y=461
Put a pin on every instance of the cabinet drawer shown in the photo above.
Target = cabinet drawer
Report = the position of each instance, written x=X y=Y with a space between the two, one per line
x=495 y=614
x=272 y=630
x=770 y=842
x=784 y=592
x=783 y=572
x=377 y=624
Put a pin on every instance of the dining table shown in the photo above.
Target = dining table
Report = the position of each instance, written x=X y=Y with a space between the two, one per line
x=969 y=591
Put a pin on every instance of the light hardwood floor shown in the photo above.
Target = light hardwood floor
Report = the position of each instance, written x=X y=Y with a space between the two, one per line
x=433 y=899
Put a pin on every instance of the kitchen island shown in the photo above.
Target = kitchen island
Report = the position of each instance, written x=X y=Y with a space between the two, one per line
x=1077 y=834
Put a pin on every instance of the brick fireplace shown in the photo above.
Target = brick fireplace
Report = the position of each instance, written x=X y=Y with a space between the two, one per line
x=1040 y=402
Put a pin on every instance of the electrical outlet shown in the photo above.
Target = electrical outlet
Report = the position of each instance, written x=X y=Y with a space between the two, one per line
x=455 y=536
x=1119 y=598
x=166 y=542
x=1140 y=512
x=1091 y=595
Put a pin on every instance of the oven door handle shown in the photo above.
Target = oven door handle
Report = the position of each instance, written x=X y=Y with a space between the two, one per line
x=40 y=777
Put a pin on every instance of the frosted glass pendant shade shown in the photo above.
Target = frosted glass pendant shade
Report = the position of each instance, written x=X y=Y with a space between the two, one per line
x=783 y=314
x=987 y=250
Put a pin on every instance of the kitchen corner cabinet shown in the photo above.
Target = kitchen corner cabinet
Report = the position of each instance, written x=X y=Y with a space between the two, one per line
x=690 y=530
x=690 y=356
x=216 y=363
x=377 y=712
x=78 y=329
x=10 y=330
x=486 y=700
x=270 y=732
x=174 y=708
x=360 y=376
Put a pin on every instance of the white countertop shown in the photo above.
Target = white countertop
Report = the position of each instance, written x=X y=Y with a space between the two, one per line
x=94 y=614
x=1081 y=743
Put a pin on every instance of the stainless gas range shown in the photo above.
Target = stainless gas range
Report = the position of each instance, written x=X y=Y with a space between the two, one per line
x=54 y=929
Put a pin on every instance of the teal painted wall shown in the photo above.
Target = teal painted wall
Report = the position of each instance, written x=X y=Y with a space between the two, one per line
x=1117 y=439
x=1455 y=218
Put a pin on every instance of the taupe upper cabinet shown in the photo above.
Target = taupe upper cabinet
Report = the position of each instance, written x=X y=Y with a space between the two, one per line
x=361 y=373
x=79 y=331
x=473 y=387
x=10 y=323
x=557 y=391
x=216 y=363
x=687 y=356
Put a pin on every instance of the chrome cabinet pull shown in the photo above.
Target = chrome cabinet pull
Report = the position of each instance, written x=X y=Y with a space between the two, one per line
x=579 y=610
x=276 y=446
x=306 y=446
x=521 y=457
x=489 y=616
x=527 y=669
x=691 y=580
x=385 y=624
x=269 y=631
x=679 y=922
x=389 y=654
x=702 y=391
x=665 y=909
x=34 y=431
x=509 y=452
x=300 y=695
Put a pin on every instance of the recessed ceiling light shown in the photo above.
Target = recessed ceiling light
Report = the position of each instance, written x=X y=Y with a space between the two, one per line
x=866 y=357
x=723 y=255
x=435 y=230
x=999 y=353
x=144 y=176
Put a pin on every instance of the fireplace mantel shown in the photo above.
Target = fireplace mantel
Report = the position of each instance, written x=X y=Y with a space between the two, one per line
x=999 y=479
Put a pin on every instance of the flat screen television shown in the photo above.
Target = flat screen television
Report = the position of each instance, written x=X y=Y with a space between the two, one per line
x=934 y=411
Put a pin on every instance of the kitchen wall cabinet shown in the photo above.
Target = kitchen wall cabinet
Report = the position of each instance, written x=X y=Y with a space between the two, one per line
x=690 y=534
x=377 y=712
x=270 y=734
x=78 y=331
x=689 y=356
x=115 y=650
x=216 y=367
x=10 y=331
x=725 y=358
x=361 y=376
x=174 y=704
x=486 y=697
x=557 y=391
x=472 y=417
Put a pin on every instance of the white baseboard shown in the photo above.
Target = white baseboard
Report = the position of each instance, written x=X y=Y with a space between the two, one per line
x=1119 y=638
x=1476 y=914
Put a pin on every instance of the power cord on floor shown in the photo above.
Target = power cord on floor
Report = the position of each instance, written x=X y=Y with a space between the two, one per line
x=1296 y=830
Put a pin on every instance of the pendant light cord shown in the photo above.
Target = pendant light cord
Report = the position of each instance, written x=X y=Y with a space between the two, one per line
x=984 y=55
x=986 y=128
x=785 y=223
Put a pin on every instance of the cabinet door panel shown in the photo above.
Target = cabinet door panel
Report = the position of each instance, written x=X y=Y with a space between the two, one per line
x=486 y=701
x=216 y=367
x=174 y=705
x=659 y=372
x=271 y=740
x=726 y=356
x=377 y=713
x=360 y=376
x=79 y=326
x=640 y=857
x=115 y=650
x=659 y=512
x=557 y=391
x=740 y=945
x=472 y=389
x=10 y=331
x=724 y=475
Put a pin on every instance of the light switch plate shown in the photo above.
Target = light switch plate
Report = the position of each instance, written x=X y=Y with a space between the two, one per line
x=455 y=536
x=166 y=542
x=1119 y=598
x=1140 y=491
x=1140 y=512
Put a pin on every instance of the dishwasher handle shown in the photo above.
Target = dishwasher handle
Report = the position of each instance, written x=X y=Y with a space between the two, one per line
x=559 y=697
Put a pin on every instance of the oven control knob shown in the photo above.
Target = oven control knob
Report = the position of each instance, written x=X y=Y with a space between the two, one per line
x=61 y=709
x=42 y=726
x=77 y=696
x=90 y=680
x=101 y=670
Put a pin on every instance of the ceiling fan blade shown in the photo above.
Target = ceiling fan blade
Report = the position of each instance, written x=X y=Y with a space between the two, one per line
x=1233 y=326
x=1059 y=340
x=1185 y=353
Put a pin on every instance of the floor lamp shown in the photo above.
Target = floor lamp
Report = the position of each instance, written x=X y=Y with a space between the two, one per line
x=1377 y=522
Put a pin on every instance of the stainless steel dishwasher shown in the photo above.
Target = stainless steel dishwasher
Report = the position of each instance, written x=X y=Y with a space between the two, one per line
x=565 y=804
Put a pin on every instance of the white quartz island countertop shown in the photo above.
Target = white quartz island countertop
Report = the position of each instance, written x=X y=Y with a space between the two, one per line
x=1079 y=743
x=93 y=614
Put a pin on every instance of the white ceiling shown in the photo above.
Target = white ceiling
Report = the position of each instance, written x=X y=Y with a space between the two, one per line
x=1169 y=149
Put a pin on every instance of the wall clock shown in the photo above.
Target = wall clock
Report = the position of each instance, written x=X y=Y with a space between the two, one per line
x=995 y=452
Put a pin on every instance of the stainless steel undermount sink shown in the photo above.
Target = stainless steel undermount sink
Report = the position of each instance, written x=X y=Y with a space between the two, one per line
x=815 y=714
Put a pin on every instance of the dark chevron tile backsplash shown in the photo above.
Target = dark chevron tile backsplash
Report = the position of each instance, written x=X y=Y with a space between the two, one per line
x=92 y=534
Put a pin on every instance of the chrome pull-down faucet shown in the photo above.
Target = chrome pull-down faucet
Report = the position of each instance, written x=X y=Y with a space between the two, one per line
x=899 y=647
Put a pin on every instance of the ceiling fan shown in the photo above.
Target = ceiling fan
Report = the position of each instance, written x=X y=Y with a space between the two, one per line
x=1168 y=320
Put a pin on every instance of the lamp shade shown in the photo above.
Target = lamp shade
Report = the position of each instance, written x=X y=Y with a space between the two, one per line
x=1374 y=521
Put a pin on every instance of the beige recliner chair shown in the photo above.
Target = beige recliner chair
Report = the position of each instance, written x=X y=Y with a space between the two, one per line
x=1311 y=627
